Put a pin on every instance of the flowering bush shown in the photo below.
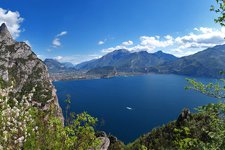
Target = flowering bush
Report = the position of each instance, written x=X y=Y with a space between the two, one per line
x=23 y=126
x=15 y=120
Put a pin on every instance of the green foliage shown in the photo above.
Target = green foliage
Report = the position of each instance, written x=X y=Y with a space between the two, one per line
x=216 y=90
x=115 y=144
x=3 y=84
x=79 y=133
x=23 y=126
x=172 y=136
x=216 y=112
x=219 y=9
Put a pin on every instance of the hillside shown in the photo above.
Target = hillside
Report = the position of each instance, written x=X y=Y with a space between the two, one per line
x=55 y=66
x=124 y=60
x=22 y=69
x=206 y=63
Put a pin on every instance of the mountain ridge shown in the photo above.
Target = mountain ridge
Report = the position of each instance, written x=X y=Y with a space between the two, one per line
x=206 y=63
x=122 y=57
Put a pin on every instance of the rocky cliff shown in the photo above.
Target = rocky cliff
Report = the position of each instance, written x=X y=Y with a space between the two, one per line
x=20 y=67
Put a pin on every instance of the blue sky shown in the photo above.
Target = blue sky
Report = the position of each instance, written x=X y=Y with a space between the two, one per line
x=79 y=30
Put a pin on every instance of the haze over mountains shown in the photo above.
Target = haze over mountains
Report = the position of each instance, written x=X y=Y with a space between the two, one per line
x=54 y=66
x=207 y=63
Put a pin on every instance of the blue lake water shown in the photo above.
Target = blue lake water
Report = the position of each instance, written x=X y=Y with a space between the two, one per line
x=128 y=107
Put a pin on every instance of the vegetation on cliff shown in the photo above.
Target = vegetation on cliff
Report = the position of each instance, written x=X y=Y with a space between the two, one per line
x=30 y=116
x=26 y=127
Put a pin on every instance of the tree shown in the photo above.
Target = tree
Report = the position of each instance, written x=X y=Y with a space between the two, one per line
x=219 y=9
x=215 y=111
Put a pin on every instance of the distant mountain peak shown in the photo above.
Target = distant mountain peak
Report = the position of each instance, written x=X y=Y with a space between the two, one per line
x=159 y=52
x=121 y=51
x=117 y=53
x=5 y=35
x=143 y=52
x=56 y=66
x=3 y=27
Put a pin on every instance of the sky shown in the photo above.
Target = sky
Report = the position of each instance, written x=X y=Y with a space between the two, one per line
x=80 y=30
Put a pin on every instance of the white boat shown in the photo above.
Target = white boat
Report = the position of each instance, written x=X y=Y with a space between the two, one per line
x=129 y=108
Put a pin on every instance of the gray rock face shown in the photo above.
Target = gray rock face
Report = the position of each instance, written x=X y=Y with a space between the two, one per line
x=19 y=64
x=5 y=35
x=105 y=143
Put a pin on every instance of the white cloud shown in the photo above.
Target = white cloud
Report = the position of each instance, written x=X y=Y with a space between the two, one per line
x=12 y=20
x=197 y=40
x=147 y=43
x=205 y=37
x=56 y=42
x=139 y=47
x=156 y=42
x=157 y=36
x=123 y=45
x=61 y=34
x=128 y=43
x=101 y=42
x=204 y=29
x=58 y=58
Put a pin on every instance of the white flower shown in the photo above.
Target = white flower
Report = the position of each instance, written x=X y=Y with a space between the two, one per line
x=5 y=132
x=14 y=120
x=21 y=139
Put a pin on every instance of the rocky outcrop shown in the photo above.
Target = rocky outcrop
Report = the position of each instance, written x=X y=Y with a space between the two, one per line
x=5 y=36
x=105 y=142
x=184 y=117
x=20 y=67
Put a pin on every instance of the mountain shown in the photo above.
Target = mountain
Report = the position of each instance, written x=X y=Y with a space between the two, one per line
x=206 y=63
x=5 y=36
x=22 y=69
x=125 y=61
x=165 y=56
x=55 y=66
x=68 y=64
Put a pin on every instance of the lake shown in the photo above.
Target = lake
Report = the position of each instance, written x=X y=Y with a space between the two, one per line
x=128 y=107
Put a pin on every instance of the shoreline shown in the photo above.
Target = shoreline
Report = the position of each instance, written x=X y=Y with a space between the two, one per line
x=106 y=77
x=130 y=75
